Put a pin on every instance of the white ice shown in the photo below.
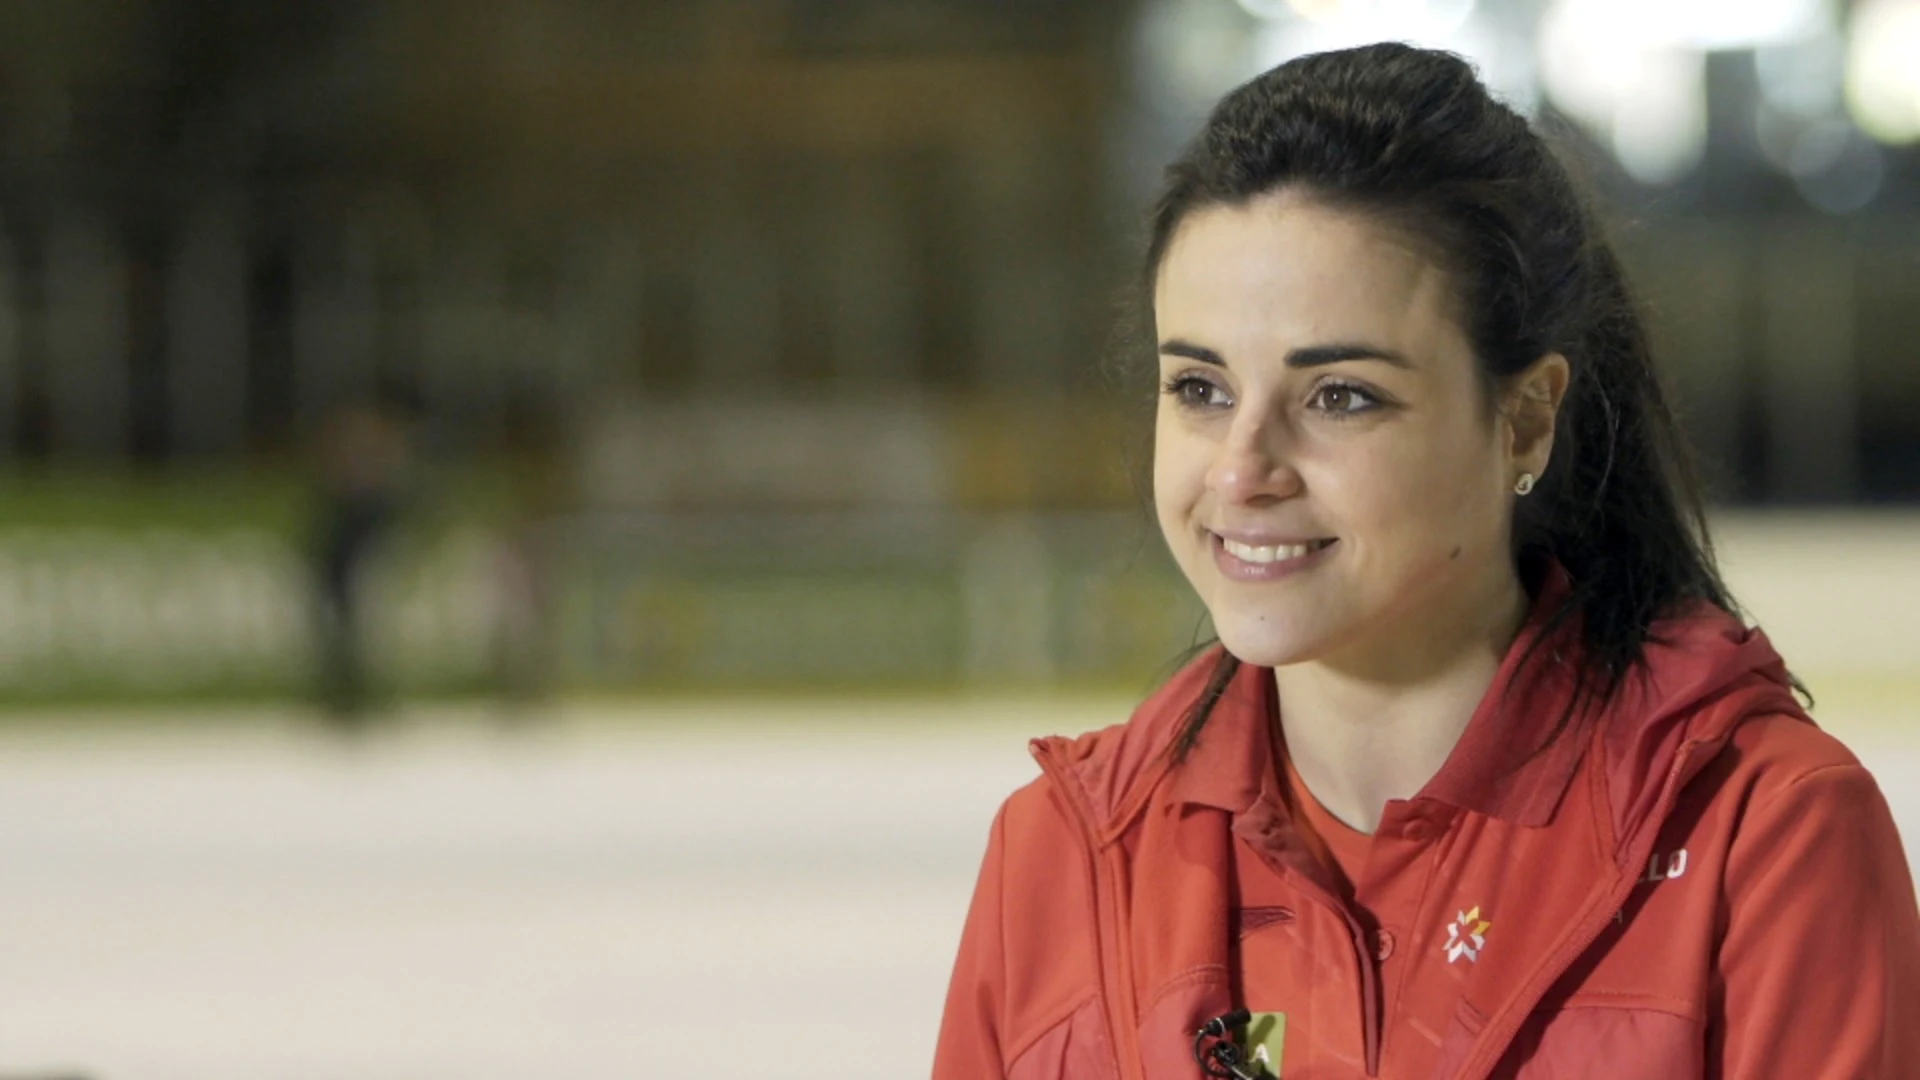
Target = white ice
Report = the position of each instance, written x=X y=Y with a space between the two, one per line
x=687 y=891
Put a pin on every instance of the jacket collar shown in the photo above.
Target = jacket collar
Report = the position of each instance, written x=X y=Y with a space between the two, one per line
x=1514 y=761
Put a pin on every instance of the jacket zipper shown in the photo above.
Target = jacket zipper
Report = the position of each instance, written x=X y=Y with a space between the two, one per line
x=1496 y=1037
x=1111 y=925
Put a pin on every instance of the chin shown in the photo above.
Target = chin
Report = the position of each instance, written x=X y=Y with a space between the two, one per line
x=1266 y=641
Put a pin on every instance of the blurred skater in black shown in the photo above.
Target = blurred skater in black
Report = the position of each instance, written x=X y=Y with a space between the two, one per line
x=365 y=466
x=540 y=494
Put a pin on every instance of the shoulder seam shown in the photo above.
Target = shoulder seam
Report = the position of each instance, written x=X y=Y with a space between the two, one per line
x=1820 y=770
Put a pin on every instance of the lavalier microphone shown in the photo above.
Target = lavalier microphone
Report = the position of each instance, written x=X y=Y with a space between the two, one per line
x=1215 y=1051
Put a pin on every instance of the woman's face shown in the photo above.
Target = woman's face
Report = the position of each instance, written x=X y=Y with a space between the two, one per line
x=1326 y=469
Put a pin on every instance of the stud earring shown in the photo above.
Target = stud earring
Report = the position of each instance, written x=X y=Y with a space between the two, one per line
x=1524 y=485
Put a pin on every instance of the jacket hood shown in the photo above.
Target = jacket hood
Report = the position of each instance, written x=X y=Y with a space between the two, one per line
x=1702 y=672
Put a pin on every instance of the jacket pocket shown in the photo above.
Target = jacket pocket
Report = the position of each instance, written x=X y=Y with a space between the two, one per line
x=1077 y=1048
x=1586 y=1042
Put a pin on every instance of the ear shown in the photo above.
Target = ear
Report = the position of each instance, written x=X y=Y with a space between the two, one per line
x=1531 y=406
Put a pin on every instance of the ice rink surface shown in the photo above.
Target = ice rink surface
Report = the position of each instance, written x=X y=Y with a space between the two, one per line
x=674 y=891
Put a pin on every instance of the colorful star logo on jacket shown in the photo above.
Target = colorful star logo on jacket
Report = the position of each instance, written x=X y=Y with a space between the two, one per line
x=1466 y=936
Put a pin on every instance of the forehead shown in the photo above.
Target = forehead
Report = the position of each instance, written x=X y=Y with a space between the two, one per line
x=1283 y=270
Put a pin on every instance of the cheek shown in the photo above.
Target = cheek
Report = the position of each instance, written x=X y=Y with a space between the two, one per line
x=1416 y=492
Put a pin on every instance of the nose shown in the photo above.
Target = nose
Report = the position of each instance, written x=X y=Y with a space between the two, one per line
x=1252 y=464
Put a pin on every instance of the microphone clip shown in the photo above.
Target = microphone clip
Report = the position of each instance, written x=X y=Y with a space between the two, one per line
x=1216 y=1052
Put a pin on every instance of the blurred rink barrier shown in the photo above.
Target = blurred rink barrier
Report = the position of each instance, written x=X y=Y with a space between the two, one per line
x=117 y=590
x=90 y=613
x=829 y=602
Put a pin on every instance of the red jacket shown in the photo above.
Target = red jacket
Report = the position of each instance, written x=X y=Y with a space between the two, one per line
x=1697 y=883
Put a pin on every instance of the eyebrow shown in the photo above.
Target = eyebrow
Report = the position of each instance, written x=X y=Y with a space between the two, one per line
x=1304 y=357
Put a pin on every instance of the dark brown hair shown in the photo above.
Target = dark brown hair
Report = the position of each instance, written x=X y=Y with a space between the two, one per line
x=1412 y=137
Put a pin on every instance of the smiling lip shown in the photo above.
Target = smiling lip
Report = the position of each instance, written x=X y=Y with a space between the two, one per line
x=1265 y=558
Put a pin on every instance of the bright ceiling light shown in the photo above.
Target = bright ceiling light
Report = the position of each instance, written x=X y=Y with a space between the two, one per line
x=1659 y=132
x=1394 y=18
x=1505 y=63
x=1274 y=9
x=1643 y=97
x=1712 y=25
x=1588 y=61
x=1632 y=72
x=1706 y=25
x=1803 y=79
x=1340 y=24
x=1883 y=69
x=1317 y=10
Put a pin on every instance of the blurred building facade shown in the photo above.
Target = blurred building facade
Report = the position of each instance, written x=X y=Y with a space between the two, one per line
x=847 y=274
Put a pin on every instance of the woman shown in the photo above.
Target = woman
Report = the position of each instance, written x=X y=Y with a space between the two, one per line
x=1484 y=779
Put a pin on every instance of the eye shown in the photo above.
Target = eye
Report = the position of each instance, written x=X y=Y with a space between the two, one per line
x=1195 y=392
x=1343 y=399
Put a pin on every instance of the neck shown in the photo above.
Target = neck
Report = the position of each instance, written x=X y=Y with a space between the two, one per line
x=1377 y=721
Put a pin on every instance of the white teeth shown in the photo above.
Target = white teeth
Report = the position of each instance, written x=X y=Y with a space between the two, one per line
x=1252 y=554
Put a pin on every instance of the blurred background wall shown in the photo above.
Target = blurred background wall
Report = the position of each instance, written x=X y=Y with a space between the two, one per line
x=591 y=346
